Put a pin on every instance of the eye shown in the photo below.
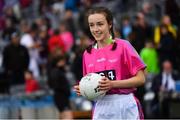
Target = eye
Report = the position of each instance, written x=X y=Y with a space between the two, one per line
x=100 y=24
x=91 y=25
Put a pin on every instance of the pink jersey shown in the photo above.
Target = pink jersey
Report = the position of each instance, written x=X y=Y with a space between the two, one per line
x=120 y=64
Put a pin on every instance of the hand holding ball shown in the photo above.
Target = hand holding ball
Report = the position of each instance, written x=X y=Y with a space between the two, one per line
x=89 y=86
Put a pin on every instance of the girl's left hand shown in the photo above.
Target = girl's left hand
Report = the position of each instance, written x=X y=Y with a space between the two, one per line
x=105 y=84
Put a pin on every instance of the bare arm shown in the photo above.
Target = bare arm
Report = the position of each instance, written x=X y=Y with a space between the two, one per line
x=106 y=84
x=137 y=80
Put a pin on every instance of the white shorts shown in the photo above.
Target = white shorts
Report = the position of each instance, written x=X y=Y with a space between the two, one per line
x=124 y=106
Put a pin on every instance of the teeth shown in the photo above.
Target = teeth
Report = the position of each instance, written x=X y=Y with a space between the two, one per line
x=97 y=34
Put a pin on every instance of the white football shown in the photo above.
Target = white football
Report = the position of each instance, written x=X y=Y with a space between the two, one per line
x=89 y=86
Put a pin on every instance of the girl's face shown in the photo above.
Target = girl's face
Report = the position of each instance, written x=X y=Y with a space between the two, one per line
x=99 y=27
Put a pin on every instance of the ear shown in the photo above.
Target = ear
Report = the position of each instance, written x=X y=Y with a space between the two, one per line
x=110 y=25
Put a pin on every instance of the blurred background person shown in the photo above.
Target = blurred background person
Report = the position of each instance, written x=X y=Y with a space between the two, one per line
x=15 y=60
x=172 y=10
x=59 y=83
x=77 y=60
x=66 y=36
x=166 y=46
x=142 y=31
x=163 y=83
x=126 y=27
x=28 y=40
x=149 y=55
x=165 y=21
x=56 y=42
x=8 y=30
x=31 y=84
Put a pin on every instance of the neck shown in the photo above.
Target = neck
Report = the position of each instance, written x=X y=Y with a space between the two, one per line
x=104 y=43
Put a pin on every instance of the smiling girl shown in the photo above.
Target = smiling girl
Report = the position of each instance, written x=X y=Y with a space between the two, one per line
x=119 y=63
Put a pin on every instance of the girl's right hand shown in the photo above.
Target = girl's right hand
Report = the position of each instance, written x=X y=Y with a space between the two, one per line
x=76 y=89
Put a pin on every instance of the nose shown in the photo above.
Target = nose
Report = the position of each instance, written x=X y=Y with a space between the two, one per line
x=96 y=28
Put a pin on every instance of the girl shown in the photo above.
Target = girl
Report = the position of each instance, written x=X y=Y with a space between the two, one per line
x=119 y=63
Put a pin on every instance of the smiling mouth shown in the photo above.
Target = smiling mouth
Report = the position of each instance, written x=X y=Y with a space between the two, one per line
x=97 y=34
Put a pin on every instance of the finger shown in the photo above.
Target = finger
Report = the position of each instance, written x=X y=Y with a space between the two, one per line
x=103 y=78
x=104 y=88
x=103 y=84
x=78 y=93
x=76 y=87
x=76 y=90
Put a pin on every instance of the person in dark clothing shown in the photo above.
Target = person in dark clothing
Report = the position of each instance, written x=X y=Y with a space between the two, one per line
x=172 y=9
x=15 y=61
x=142 y=31
x=77 y=62
x=166 y=46
x=9 y=29
x=163 y=83
x=57 y=80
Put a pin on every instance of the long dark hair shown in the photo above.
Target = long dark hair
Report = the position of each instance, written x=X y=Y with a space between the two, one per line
x=108 y=15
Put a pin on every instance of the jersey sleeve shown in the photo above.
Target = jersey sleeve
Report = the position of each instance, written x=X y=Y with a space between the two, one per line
x=132 y=59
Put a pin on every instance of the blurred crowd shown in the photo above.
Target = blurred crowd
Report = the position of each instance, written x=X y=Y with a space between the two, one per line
x=35 y=34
